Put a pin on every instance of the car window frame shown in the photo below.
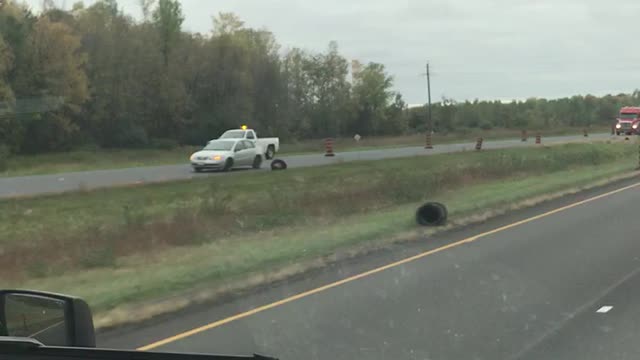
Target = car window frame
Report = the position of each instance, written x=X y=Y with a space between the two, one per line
x=248 y=145
x=218 y=140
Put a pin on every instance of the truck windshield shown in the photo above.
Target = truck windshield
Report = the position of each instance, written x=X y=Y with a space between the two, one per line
x=219 y=145
x=233 y=134
x=628 y=116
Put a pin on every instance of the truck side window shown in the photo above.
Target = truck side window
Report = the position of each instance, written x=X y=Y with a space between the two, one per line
x=250 y=135
x=249 y=145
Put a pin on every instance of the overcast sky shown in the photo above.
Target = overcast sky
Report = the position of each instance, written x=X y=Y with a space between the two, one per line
x=486 y=49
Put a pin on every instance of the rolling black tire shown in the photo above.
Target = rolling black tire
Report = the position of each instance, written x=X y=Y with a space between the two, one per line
x=257 y=162
x=617 y=133
x=445 y=213
x=271 y=152
x=278 y=164
x=228 y=165
x=432 y=214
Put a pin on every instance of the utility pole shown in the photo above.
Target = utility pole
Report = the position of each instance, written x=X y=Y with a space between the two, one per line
x=429 y=119
x=429 y=124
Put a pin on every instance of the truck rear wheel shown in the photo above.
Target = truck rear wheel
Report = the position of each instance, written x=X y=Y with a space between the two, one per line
x=271 y=151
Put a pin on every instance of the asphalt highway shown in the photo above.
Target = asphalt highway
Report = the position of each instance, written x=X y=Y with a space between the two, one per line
x=557 y=281
x=73 y=181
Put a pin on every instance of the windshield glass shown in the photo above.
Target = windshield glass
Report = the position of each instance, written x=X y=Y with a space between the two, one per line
x=628 y=116
x=219 y=145
x=120 y=182
x=233 y=134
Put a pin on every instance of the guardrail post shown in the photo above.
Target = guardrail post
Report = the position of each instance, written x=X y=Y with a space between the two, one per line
x=428 y=141
x=328 y=146
x=524 y=135
x=479 y=144
x=586 y=134
x=538 y=139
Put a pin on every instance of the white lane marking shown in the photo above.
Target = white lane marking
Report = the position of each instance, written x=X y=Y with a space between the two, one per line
x=604 y=309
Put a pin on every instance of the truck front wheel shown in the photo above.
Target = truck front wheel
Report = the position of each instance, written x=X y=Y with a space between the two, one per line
x=271 y=151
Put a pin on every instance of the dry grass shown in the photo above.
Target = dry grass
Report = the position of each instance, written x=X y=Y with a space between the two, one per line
x=95 y=229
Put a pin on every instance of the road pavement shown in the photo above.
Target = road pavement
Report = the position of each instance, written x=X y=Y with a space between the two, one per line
x=607 y=328
x=73 y=181
x=533 y=289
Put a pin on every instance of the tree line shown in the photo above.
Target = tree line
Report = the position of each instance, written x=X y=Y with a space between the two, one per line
x=536 y=114
x=95 y=76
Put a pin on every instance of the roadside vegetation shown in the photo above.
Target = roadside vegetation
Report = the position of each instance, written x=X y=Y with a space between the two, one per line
x=441 y=137
x=96 y=158
x=125 y=245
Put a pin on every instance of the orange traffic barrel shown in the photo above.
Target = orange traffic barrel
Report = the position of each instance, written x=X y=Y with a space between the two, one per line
x=328 y=146
x=428 y=141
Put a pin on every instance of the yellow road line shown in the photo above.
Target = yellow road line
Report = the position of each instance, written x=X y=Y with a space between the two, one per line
x=371 y=272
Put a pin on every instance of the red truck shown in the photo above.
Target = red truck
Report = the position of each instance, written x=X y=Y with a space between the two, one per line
x=628 y=121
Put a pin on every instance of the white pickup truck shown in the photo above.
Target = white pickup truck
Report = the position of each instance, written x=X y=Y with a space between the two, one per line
x=269 y=146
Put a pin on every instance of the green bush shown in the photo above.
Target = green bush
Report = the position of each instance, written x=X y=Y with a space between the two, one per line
x=485 y=125
x=163 y=144
x=133 y=136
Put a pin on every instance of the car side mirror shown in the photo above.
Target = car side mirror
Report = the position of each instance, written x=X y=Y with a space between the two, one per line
x=52 y=319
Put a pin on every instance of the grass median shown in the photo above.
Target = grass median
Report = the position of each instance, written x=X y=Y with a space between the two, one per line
x=131 y=245
x=84 y=160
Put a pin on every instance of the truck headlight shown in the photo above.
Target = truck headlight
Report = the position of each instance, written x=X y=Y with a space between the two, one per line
x=618 y=126
x=635 y=126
